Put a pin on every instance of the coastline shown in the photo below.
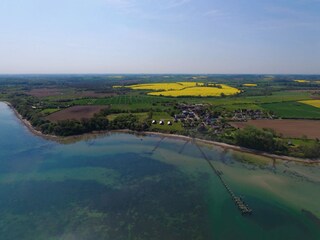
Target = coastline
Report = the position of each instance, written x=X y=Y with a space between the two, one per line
x=167 y=135
x=237 y=148
x=29 y=125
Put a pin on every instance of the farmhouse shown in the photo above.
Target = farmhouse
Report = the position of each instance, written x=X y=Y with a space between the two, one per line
x=243 y=115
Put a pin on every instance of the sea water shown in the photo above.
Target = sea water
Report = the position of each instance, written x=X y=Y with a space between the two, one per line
x=122 y=186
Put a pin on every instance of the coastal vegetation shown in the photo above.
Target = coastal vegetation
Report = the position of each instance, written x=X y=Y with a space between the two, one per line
x=213 y=107
x=267 y=140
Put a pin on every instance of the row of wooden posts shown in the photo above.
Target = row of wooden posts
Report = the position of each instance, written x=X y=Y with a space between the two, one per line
x=242 y=206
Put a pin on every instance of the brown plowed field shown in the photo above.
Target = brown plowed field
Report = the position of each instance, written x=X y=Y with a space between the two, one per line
x=76 y=112
x=289 y=128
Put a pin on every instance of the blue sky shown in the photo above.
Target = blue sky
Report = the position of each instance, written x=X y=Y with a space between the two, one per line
x=160 y=36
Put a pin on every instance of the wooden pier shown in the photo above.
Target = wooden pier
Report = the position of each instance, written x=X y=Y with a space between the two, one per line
x=157 y=145
x=242 y=206
x=183 y=146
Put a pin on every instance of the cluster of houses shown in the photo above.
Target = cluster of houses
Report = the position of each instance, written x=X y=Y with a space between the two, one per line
x=201 y=117
x=243 y=115
x=217 y=124
x=189 y=111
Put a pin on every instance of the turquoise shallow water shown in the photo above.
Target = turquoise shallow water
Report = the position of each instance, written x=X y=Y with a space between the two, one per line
x=116 y=187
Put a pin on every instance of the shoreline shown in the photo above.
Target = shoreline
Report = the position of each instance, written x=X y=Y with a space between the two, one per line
x=167 y=135
x=29 y=125
x=237 y=148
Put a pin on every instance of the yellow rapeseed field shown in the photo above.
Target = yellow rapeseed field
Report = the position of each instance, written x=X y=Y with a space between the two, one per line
x=302 y=81
x=249 y=85
x=314 y=103
x=198 y=92
x=164 y=86
x=187 y=89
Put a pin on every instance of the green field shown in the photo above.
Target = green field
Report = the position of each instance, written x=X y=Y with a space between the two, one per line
x=141 y=116
x=293 y=110
x=50 y=110
x=165 y=117
x=283 y=96
x=127 y=102
x=233 y=107
x=155 y=116
x=277 y=94
x=278 y=102
x=122 y=99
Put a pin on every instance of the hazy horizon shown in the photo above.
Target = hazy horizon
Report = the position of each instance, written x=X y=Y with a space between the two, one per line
x=151 y=74
x=160 y=37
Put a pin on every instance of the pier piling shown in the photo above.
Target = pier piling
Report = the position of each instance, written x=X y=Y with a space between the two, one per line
x=157 y=145
x=239 y=202
x=183 y=146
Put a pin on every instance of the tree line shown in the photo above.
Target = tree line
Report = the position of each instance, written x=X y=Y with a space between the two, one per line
x=268 y=141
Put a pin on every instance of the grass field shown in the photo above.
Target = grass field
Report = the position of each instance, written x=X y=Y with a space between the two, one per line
x=122 y=99
x=156 y=116
x=314 y=103
x=242 y=106
x=136 y=102
x=283 y=96
x=50 y=110
x=141 y=116
x=126 y=102
x=293 y=110
x=165 y=117
x=298 y=142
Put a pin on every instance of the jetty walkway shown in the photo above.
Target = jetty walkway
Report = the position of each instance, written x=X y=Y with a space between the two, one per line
x=157 y=145
x=242 y=206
